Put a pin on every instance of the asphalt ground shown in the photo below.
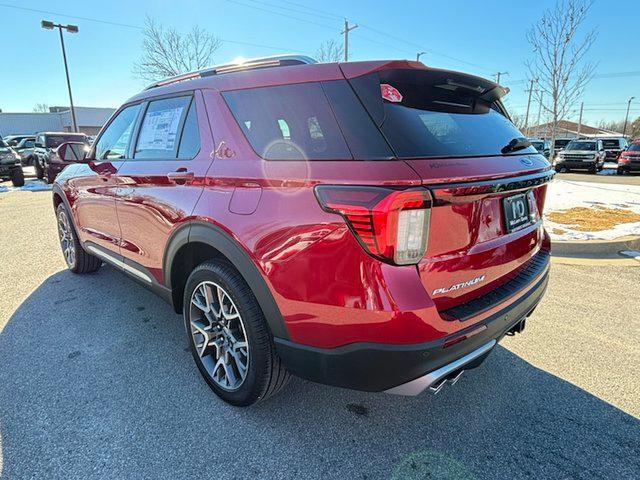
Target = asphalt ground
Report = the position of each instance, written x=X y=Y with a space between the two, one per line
x=96 y=382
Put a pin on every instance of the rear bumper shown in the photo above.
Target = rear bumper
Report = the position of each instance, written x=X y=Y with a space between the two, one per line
x=409 y=369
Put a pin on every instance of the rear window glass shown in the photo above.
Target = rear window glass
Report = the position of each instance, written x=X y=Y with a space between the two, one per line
x=308 y=121
x=634 y=147
x=613 y=144
x=57 y=140
x=437 y=114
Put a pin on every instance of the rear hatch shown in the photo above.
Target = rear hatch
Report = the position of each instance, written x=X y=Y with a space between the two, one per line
x=488 y=183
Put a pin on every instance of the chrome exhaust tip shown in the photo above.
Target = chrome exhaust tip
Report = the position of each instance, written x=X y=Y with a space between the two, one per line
x=450 y=379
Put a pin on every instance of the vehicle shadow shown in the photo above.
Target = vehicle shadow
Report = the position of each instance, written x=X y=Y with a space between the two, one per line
x=96 y=381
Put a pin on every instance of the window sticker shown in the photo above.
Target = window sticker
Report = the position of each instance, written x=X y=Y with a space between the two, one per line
x=389 y=93
x=159 y=129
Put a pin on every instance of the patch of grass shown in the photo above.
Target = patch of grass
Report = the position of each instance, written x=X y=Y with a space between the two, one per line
x=597 y=219
x=558 y=231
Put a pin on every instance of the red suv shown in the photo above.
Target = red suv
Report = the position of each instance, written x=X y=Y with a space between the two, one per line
x=370 y=225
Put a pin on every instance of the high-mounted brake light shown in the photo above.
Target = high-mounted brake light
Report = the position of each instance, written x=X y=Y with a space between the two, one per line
x=392 y=225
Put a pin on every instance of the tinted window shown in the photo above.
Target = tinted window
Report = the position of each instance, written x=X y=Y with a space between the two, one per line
x=611 y=144
x=289 y=122
x=54 y=141
x=634 y=147
x=114 y=140
x=158 y=136
x=425 y=113
x=575 y=145
x=190 y=140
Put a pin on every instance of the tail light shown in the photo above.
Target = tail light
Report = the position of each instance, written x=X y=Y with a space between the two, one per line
x=392 y=225
x=624 y=158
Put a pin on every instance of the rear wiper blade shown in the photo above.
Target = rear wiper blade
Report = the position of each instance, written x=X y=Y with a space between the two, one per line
x=516 y=144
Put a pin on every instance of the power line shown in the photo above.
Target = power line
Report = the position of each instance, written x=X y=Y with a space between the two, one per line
x=138 y=27
x=266 y=10
x=88 y=19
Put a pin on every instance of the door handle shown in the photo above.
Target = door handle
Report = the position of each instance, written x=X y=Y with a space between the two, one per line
x=182 y=175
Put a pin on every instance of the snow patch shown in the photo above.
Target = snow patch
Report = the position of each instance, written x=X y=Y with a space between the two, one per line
x=566 y=194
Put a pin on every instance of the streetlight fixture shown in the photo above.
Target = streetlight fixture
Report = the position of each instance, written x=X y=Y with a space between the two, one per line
x=626 y=118
x=419 y=55
x=47 y=25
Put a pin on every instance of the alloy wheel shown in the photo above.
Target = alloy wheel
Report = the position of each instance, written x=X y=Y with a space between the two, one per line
x=219 y=335
x=66 y=239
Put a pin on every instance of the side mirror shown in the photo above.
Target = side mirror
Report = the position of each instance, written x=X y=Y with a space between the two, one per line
x=72 y=152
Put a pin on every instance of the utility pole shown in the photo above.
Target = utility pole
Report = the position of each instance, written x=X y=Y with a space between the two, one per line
x=580 y=118
x=626 y=118
x=498 y=75
x=539 y=113
x=418 y=55
x=526 y=118
x=71 y=29
x=346 y=31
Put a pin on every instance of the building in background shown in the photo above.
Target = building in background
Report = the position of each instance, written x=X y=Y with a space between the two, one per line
x=568 y=129
x=57 y=119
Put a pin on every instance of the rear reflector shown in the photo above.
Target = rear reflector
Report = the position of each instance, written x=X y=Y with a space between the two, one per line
x=392 y=225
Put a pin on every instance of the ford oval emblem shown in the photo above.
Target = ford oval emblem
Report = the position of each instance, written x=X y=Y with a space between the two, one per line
x=527 y=162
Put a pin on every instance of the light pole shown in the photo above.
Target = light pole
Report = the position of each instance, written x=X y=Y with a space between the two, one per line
x=71 y=29
x=419 y=54
x=626 y=118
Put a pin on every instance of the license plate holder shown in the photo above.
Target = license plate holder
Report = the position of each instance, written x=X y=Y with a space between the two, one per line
x=516 y=212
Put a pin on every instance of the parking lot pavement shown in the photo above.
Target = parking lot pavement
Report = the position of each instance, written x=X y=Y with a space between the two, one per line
x=633 y=179
x=96 y=381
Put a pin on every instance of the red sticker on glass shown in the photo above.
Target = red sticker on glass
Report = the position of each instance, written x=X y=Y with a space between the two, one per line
x=390 y=93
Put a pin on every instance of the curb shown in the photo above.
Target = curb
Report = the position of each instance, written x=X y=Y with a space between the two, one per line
x=594 y=248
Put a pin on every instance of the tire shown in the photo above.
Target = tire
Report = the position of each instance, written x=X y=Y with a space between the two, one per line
x=79 y=261
x=38 y=168
x=264 y=374
x=17 y=177
x=48 y=178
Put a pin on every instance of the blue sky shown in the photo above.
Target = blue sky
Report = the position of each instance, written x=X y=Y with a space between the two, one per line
x=476 y=37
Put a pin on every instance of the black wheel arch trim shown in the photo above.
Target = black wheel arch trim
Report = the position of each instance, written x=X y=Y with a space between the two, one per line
x=201 y=232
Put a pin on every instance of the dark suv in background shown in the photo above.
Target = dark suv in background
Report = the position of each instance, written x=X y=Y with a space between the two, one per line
x=47 y=164
x=369 y=225
x=613 y=147
x=10 y=165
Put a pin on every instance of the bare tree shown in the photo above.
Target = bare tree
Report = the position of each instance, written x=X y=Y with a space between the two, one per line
x=330 y=51
x=559 y=67
x=41 y=107
x=167 y=52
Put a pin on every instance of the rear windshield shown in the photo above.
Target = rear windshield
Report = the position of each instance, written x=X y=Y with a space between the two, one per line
x=54 y=141
x=425 y=113
x=573 y=145
x=634 y=147
x=612 y=144
x=561 y=143
x=307 y=121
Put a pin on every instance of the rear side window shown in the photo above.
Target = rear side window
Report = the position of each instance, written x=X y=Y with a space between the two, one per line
x=159 y=133
x=424 y=113
x=190 y=139
x=308 y=121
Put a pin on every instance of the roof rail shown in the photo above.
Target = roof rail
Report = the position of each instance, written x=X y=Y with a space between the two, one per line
x=248 y=64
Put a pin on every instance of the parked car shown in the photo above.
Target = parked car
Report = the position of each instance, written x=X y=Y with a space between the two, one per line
x=560 y=144
x=613 y=147
x=13 y=140
x=355 y=224
x=583 y=154
x=629 y=160
x=25 y=148
x=10 y=167
x=542 y=146
x=47 y=164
